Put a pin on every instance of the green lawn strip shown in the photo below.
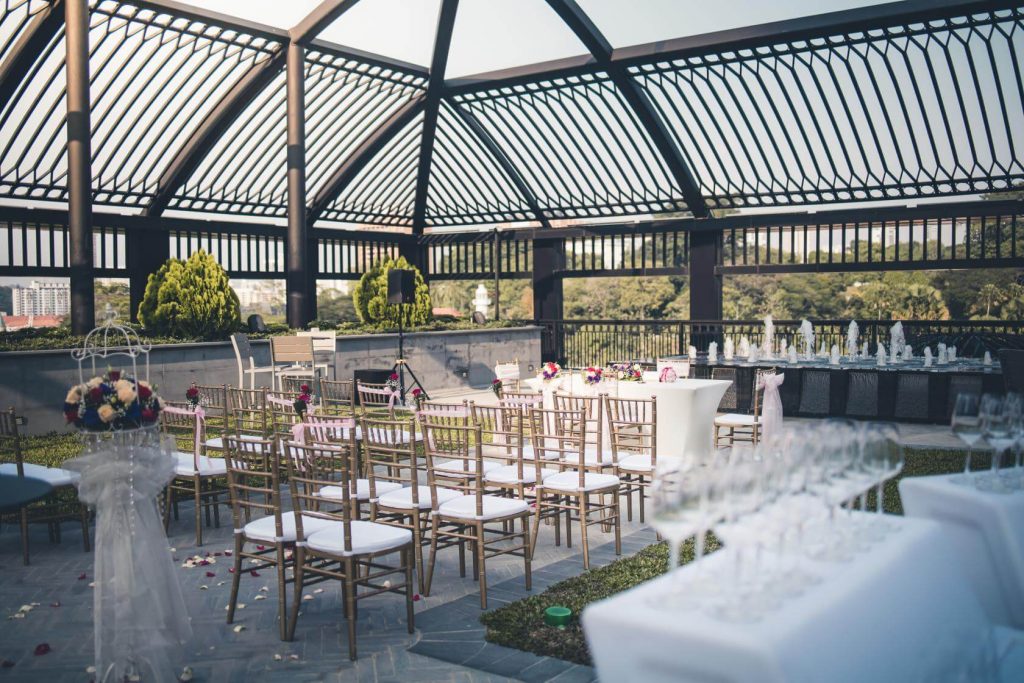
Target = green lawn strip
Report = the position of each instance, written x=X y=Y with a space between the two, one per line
x=521 y=624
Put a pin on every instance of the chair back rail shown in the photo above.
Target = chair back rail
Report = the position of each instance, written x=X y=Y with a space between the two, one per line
x=254 y=482
x=389 y=454
x=593 y=409
x=248 y=412
x=460 y=447
x=505 y=434
x=311 y=468
x=337 y=398
x=188 y=428
x=633 y=425
x=561 y=435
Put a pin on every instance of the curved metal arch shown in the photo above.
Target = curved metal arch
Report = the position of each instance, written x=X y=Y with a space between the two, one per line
x=33 y=41
x=588 y=33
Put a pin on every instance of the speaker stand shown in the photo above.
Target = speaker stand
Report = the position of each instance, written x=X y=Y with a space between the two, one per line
x=401 y=365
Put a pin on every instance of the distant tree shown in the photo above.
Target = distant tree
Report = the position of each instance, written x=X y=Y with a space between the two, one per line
x=114 y=293
x=897 y=295
x=335 y=306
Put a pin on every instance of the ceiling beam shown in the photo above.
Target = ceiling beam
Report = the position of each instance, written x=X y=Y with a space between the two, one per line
x=637 y=100
x=214 y=125
x=29 y=47
x=320 y=18
x=435 y=89
x=504 y=162
x=748 y=37
x=362 y=155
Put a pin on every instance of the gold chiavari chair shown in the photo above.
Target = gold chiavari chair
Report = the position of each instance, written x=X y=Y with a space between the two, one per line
x=473 y=514
x=743 y=427
x=337 y=398
x=248 y=413
x=61 y=505
x=593 y=411
x=396 y=495
x=564 y=432
x=505 y=440
x=214 y=402
x=377 y=400
x=346 y=550
x=508 y=373
x=633 y=423
x=283 y=416
x=195 y=473
x=255 y=486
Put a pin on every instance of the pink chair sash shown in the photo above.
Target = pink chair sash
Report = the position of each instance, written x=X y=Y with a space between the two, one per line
x=319 y=428
x=390 y=393
x=771 y=404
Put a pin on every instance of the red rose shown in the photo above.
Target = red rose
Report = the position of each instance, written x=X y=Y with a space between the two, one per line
x=148 y=415
x=71 y=415
x=417 y=391
x=144 y=392
x=394 y=375
x=114 y=375
x=95 y=395
x=304 y=389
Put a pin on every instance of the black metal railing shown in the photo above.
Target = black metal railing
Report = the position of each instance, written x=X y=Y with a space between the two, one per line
x=577 y=343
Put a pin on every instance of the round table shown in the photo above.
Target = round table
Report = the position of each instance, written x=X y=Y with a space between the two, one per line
x=17 y=492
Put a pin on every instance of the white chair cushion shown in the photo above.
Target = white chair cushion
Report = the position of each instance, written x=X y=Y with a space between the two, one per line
x=218 y=442
x=570 y=481
x=736 y=420
x=335 y=493
x=367 y=537
x=402 y=498
x=636 y=463
x=464 y=507
x=208 y=467
x=54 y=476
x=509 y=474
x=464 y=467
x=262 y=529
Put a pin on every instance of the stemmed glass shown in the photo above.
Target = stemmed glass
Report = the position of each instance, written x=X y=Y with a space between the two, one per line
x=966 y=424
x=997 y=428
x=676 y=506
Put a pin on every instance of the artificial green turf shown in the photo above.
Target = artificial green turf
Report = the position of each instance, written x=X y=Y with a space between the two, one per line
x=521 y=623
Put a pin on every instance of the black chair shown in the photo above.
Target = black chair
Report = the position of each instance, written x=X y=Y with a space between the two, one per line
x=1012 y=361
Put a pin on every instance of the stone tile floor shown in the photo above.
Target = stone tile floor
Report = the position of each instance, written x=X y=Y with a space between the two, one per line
x=387 y=652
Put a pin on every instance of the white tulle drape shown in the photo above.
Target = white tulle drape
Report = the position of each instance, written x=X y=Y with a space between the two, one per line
x=139 y=613
x=771 y=404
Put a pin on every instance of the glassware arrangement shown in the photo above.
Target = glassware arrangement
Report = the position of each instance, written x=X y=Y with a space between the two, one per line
x=781 y=509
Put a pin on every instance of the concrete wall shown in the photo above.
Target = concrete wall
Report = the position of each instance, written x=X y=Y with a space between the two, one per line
x=35 y=382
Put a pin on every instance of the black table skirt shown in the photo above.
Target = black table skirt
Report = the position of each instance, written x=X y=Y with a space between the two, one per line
x=862 y=393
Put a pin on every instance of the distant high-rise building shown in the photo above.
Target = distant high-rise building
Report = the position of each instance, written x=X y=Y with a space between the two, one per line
x=42 y=298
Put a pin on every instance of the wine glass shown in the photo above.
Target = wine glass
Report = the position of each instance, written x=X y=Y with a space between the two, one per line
x=966 y=424
x=996 y=427
x=676 y=505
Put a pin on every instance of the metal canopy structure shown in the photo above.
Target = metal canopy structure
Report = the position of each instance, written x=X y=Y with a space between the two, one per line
x=188 y=111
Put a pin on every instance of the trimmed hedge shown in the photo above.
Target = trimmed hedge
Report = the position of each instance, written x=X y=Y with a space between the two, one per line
x=53 y=338
x=521 y=623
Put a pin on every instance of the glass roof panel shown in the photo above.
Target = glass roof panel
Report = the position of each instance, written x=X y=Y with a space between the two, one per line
x=496 y=34
x=648 y=21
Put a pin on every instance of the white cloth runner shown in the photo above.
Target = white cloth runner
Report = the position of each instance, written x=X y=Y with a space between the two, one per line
x=876 y=618
x=771 y=408
x=139 y=615
x=987 y=531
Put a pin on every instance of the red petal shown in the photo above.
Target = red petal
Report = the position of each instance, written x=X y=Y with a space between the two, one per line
x=231 y=570
x=261 y=547
x=42 y=649
x=416 y=597
x=210 y=575
x=254 y=573
x=227 y=553
x=81 y=577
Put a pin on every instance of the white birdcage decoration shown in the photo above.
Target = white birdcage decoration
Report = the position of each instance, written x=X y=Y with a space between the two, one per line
x=111 y=340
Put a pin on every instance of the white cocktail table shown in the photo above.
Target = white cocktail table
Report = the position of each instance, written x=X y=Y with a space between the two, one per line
x=686 y=408
x=887 y=615
x=986 y=530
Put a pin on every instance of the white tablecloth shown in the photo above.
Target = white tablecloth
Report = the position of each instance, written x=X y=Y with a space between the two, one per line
x=880 y=617
x=987 y=531
x=686 y=408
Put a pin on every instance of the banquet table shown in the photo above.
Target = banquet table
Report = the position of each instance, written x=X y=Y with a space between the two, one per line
x=987 y=531
x=889 y=614
x=686 y=408
x=906 y=391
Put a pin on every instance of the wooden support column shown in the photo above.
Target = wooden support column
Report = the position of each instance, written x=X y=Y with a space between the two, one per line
x=705 y=285
x=548 y=297
x=301 y=261
x=83 y=304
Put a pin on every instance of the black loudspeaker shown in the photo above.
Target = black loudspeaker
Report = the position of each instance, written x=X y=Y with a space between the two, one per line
x=401 y=286
x=256 y=323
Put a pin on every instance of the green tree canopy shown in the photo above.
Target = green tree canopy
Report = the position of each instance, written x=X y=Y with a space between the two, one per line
x=190 y=298
x=371 y=296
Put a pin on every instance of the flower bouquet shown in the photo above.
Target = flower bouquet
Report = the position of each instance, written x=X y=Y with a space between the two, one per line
x=592 y=376
x=417 y=398
x=302 y=401
x=112 y=402
x=192 y=396
x=392 y=382
x=628 y=372
x=496 y=387
x=550 y=371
